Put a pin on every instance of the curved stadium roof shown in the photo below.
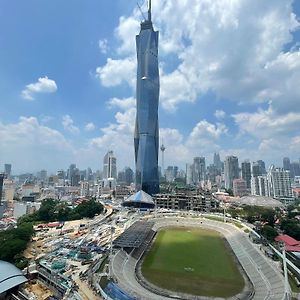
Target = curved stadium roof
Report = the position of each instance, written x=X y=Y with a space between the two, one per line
x=10 y=276
x=139 y=200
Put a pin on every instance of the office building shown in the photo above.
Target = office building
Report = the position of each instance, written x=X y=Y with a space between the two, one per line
x=294 y=169
x=71 y=171
x=262 y=167
x=199 y=170
x=189 y=174
x=217 y=161
x=279 y=183
x=231 y=170
x=246 y=173
x=260 y=186
x=109 y=166
x=146 y=137
x=239 y=187
x=128 y=176
x=286 y=164
x=7 y=170
x=1 y=184
x=254 y=186
x=256 y=169
x=84 y=189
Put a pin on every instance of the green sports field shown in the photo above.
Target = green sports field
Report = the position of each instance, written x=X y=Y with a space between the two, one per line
x=193 y=261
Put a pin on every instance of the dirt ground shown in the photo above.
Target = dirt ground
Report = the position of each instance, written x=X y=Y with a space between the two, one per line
x=39 y=290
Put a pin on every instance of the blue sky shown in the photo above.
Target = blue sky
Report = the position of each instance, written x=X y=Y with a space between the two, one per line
x=229 y=80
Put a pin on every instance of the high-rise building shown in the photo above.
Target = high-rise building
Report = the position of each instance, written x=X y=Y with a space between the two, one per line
x=89 y=174
x=246 y=173
x=256 y=170
x=212 y=173
x=254 y=186
x=217 y=161
x=1 y=185
x=239 y=187
x=7 y=170
x=128 y=175
x=260 y=186
x=75 y=177
x=286 y=164
x=109 y=165
x=146 y=137
x=263 y=186
x=61 y=174
x=199 y=170
x=262 y=167
x=84 y=189
x=231 y=170
x=71 y=171
x=43 y=175
x=295 y=169
x=189 y=174
x=279 y=183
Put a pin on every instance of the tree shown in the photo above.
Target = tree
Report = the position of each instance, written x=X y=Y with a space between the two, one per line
x=291 y=228
x=46 y=212
x=269 y=232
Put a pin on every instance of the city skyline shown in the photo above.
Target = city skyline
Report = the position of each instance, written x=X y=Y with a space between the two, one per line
x=69 y=95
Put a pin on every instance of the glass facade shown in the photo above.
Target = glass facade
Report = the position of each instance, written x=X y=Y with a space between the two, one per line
x=147 y=93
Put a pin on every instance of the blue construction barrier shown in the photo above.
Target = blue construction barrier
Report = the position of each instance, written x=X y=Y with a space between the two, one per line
x=114 y=292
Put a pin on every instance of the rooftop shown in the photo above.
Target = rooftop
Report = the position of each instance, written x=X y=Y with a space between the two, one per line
x=10 y=276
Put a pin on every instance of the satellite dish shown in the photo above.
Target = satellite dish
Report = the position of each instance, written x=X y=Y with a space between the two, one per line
x=144 y=78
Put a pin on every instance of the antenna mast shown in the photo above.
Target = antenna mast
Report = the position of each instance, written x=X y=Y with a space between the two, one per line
x=149 y=10
x=140 y=9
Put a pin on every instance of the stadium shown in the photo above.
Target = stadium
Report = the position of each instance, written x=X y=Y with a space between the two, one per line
x=175 y=256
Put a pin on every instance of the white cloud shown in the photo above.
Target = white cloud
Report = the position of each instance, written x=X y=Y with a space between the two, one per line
x=128 y=27
x=219 y=47
x=31 y=146
x=122 y=104
x=43 y=85
x=90 y=126
x=117 y=136
x=116 y=71
x=220 y=114
x=103 y=46
x=68 y=124
x=267 y=123
x=204 y=129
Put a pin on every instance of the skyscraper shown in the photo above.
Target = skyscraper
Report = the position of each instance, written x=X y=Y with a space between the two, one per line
x=128 y=175
x=1 y=185
x=246 y=173
x=231 y=170
x=262 y=166
x=280 y=183
x=109 y=165
x=146 y=138
x=217 y=161
x=256 y=170
x=199 y=169
x=7 y=170
x=286 y=164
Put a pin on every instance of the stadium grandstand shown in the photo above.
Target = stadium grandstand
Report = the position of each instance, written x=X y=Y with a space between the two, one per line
x=10 y=280
x=136 y=237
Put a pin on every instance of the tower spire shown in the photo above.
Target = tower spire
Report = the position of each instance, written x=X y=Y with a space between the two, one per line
x=149 y=10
